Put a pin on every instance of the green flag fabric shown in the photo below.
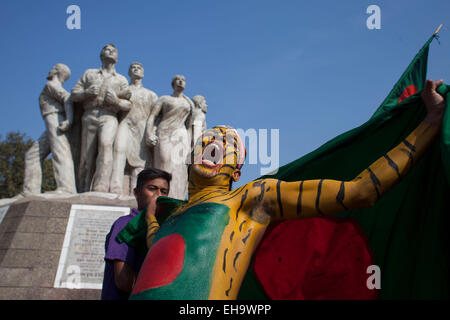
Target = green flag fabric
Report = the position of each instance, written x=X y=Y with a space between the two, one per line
x=408 y=228
x=411 y=81
x=135 y=232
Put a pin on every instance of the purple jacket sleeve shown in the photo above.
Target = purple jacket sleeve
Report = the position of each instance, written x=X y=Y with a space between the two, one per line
x=114 y=249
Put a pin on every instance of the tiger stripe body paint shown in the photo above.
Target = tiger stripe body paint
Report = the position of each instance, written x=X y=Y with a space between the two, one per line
x=220 y=228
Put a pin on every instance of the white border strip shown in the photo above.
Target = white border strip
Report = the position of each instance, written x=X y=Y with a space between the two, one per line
x=3 y=212
x=66 y=243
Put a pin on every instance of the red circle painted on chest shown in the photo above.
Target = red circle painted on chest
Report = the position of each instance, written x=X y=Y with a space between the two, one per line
x=163 y=263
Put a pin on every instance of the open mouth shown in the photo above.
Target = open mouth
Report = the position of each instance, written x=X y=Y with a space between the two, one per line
x=212 y=155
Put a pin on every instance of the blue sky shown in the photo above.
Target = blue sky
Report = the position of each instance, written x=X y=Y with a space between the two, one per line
x=311 y=69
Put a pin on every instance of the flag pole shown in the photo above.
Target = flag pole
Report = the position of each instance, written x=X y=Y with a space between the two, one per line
x=437 y=30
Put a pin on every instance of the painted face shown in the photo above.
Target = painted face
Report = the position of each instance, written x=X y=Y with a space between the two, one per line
x=218 y=152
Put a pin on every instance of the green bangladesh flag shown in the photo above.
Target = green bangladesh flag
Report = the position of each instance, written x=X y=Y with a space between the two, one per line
x=408 y=229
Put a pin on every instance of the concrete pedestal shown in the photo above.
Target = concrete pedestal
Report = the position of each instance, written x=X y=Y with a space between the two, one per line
x=32 y=234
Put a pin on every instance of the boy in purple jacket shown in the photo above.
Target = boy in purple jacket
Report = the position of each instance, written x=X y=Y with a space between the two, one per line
x=122 y=263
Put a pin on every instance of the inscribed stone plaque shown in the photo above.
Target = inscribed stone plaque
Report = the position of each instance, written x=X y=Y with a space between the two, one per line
x=3 y=211
x=81 y=263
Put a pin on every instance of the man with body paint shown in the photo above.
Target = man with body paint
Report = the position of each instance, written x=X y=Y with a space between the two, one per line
x=203 y=250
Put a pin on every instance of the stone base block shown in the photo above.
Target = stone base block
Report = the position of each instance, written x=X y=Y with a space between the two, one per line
x=34 y=232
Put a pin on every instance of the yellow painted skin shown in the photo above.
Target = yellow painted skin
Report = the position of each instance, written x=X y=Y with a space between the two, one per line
x=255 y=205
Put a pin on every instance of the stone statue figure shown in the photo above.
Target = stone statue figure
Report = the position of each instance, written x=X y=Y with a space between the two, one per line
x=57 y=112
x=129 y=145
x=103 y=93
x=198 y=119
x=172 y=137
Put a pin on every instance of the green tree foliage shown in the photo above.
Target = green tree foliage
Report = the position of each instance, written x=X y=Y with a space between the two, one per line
x=12 y=155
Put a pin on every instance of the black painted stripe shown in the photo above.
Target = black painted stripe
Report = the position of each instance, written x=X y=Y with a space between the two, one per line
x=212 y=134
x=222 y=187
x=319 y=190
x=375 y=181
x=244 y=196
x=280 y=205
x=207 y=135
x=246 y=237
x=234 y=193
x=222 y=193
x=240 y=227
x=299 y=200
x=224 y=174
x=149 y=229
x=228 y=165
x=409 y=145
x=206 y=199
x=237 y=190
x=234 y=260
x=204 y=196
x=232 y=136
x=211 y=197
x=231 y=236
x=392 y=164
x=410 y=155
x=341 y=195
x=261 y=195
x=224 y=265
x=228 y=291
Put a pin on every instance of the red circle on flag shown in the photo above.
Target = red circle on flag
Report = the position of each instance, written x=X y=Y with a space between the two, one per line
x=163 y=263
x=315 y=259
x=408 y=92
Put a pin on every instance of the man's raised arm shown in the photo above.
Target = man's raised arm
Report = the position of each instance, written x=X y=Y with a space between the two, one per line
x=309 y=198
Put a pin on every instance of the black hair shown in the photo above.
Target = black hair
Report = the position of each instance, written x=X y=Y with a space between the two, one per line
x=150 y=174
